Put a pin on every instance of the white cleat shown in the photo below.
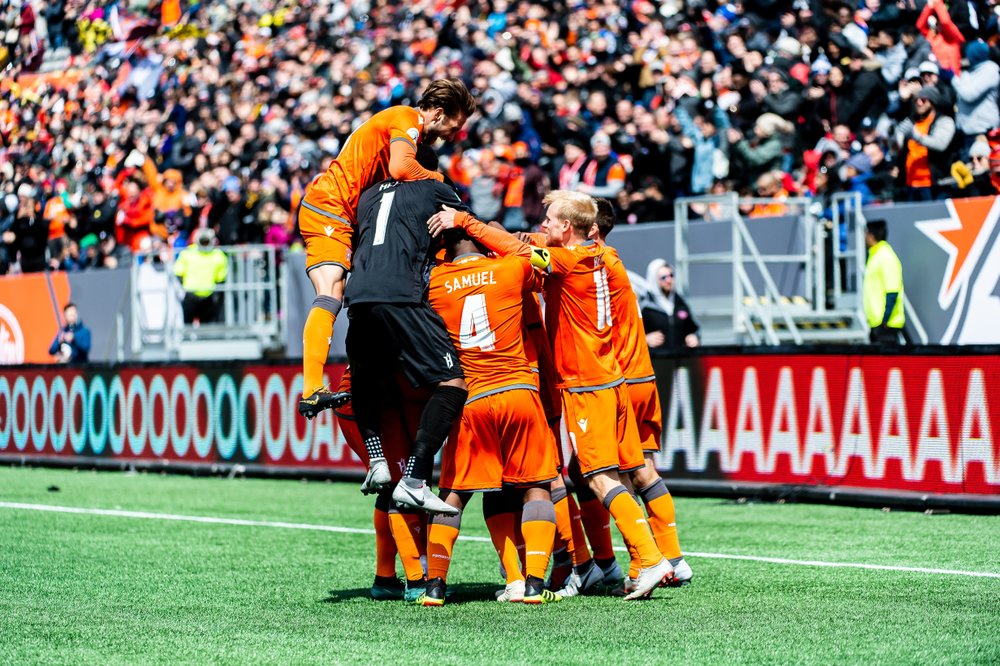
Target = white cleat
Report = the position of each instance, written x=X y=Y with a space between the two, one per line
x=576 y=584
x=422 y=499
x=649 y=578
x=378 y=476
x=682 y=575
x=513 y=593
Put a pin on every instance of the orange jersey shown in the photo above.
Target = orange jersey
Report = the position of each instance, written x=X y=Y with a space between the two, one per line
x=578 y=317
x=480 y=300
x=628 y=334
x=364 y=161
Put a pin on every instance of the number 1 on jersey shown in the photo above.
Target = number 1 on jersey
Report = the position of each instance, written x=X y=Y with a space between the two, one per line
x=476 y=331
x=603 y=299
x=384 y=206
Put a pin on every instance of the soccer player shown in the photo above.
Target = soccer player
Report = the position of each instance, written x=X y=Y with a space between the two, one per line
x=578 y=320
x=397 y=532
x=382 y=147
x=629 y=341
x=393 y=328
x=504 y=440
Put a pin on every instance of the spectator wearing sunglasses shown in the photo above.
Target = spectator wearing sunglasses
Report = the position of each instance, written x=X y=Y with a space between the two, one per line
x=665 y=315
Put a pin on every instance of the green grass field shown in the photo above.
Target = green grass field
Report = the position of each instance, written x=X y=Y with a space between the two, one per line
x=83 y=588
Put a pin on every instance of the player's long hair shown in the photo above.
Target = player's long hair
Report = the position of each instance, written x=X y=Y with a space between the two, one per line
x=578 y=208
x=451 y=95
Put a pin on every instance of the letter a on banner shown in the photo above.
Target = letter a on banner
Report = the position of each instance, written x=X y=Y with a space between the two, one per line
x=785 y=440
x=856 y=441
x=976 y=421
x=749 y=433
x=680 y=424
x=934 y=440
x=714 y=427
x=819 y=428
x=894 y=412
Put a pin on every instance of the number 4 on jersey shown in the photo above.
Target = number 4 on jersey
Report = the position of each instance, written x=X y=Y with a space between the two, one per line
x=476 y=331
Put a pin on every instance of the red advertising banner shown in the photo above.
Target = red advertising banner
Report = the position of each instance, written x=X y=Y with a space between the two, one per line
x=928 y=424
x=923 y=424
x=201 y=415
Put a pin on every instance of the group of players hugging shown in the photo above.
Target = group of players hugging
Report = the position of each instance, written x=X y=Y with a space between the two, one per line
x=449 y=347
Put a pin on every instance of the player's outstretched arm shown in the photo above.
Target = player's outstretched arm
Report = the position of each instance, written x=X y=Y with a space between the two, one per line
x=403 y=163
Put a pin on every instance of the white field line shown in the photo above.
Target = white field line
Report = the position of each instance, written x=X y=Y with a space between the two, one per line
x=354 y=530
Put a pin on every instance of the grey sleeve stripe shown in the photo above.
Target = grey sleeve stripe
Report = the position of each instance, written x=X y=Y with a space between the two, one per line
x=641 y=380
x=324 y=213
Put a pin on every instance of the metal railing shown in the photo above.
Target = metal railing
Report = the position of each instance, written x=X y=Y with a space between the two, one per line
x=250 y=309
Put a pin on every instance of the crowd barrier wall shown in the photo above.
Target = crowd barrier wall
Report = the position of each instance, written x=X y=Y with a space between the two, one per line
x=920 y=429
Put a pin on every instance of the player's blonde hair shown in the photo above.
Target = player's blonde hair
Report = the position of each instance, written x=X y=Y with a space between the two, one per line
x=580 y=209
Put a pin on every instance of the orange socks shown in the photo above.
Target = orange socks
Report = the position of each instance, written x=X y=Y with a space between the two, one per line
x=662 y=519
x=385 y=547
x=597 y=525
x=501 y=527
x=538 y=525
x=442 y=533
x=407 y=531
x=569 y=531
x=316 y=336
x=631 y=522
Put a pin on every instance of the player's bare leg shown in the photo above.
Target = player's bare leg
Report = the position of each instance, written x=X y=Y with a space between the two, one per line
x=328 y=281
x=662 y=518
x=634 y=529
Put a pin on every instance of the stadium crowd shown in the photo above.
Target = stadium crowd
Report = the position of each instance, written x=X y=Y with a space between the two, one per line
x=126 y=126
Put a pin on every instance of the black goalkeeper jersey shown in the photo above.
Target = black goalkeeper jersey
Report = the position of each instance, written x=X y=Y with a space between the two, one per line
x=393 y=250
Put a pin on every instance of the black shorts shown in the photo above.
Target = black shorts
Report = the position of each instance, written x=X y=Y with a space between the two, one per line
x=407 y=337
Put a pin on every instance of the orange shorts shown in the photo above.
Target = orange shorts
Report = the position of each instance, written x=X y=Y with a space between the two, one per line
x=646 y=405
x=399 y=429
x=502 y=439
x=328 y=235
x=602 y=430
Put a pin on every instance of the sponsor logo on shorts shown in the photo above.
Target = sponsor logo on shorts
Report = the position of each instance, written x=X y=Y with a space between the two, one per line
x=583 y=424
x=329 y=230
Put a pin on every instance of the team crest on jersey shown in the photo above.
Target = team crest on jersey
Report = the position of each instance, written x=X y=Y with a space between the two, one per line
x=413 y=133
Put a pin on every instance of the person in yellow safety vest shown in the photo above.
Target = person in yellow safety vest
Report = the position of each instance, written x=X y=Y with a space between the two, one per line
x=883 y=287
x=201 y=266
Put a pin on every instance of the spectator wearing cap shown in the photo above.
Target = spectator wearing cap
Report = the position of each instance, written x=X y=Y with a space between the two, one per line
x=930 y=75
x=976 y=90
x=974 y=178
x=908 y=87
x=944 y=36
x=822 y=100
x=603 y=175
x=925 y=140
x=854 y=175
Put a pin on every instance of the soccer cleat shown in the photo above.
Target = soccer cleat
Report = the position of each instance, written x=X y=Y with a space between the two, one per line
x=434 y=594
x=578 y=584
x=535 y=592
x=378 y=476
x=414 y=590
x=612 y=574
x=682 y=575
x=649 y=578
x=422 y=499
x=387 y=588
x=514 y=592
x=322 y=398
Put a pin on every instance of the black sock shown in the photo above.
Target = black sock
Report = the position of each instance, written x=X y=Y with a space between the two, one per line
x=436 y=421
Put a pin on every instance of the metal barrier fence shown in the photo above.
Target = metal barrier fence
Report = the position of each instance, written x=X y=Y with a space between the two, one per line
x=251 y=304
